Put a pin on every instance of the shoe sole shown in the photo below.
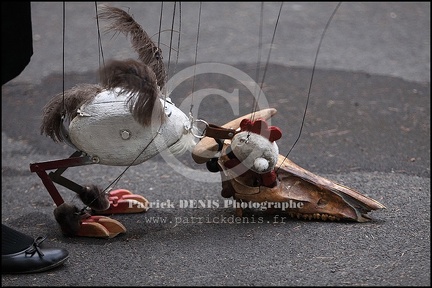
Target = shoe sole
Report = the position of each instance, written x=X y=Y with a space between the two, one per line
x=41 y=269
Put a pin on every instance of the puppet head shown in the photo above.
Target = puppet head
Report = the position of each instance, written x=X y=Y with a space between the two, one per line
x=255 y=145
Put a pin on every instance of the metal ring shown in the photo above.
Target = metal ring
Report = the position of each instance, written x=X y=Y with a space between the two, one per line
x=202 y=121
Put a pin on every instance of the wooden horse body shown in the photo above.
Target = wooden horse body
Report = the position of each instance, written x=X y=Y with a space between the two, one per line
x=106 y=130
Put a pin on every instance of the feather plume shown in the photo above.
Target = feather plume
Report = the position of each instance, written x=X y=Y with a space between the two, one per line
x=65 y=104
x=148 y=52
x=134 y=77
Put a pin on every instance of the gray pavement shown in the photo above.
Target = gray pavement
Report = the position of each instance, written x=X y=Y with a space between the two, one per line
x=367 y=127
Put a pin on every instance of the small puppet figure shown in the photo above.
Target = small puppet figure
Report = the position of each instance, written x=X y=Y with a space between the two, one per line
x=254 y=148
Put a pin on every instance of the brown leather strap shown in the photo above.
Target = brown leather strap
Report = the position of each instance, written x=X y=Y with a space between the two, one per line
x=218 y=132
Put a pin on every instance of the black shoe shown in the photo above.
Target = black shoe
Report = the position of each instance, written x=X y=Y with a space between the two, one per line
x=34 y=259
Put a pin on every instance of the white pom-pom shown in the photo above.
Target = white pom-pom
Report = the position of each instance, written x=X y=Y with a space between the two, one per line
x=261 y=164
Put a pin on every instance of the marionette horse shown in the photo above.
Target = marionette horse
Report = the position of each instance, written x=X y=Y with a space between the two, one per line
x=126 y=119
x=123 y=121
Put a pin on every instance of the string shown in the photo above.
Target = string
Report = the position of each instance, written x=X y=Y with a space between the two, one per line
x=158 y=48
x=258 y=66
x=178 y=44
x=63 y=60
x=171 y=38
x=267 y=62
x=196 y=56
x=311 y=80
x=160 y=24
x=99 y=39
x=178 y=39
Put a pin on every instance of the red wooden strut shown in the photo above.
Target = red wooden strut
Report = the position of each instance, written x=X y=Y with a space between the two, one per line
x=61 y=166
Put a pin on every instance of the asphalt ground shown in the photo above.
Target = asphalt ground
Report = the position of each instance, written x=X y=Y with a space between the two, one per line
x=367 y=126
